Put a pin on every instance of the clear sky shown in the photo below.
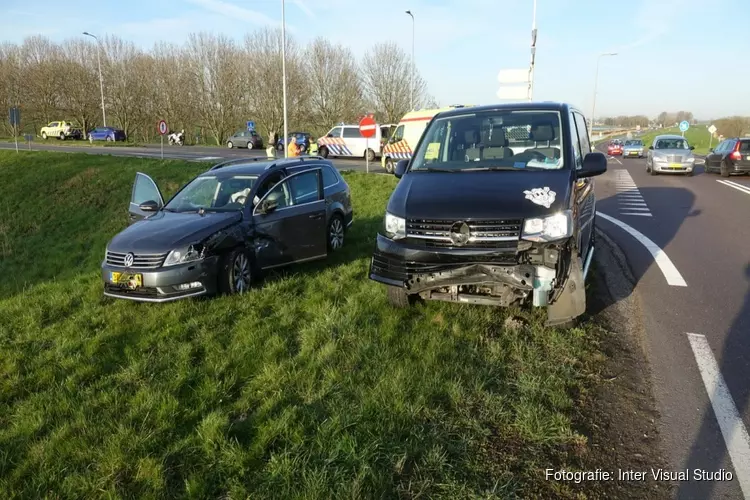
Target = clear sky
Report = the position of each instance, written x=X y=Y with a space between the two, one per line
x=672 y=54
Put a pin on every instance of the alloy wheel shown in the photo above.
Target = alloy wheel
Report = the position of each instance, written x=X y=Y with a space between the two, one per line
x=241 y=273
x=336 y=233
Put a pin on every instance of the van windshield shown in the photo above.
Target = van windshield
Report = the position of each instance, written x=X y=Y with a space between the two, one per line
x=492 y=140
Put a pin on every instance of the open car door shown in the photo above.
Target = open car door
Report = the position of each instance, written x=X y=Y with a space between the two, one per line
x=145 y=199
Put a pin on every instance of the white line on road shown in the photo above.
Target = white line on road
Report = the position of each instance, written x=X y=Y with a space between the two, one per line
x=732 y=429
x=736 y=185
x=670 y=272
x=640 y=214
x=637 y=209
x=633 y=203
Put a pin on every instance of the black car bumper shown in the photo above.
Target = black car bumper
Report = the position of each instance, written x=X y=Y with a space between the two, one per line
x=479 y=276
x=163 y=284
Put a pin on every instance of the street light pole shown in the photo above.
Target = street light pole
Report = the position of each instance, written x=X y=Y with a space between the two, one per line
x=533 y=53
x=596 y=82
x=413 y=64
x=283 y=76
x=101 y=80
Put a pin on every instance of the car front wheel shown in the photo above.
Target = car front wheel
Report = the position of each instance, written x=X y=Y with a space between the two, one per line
x=236 y=274
x=230 y=145
x=44 y=135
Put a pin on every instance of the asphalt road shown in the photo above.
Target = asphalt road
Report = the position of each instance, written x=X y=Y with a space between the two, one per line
x=695 y=310
x=188 y=153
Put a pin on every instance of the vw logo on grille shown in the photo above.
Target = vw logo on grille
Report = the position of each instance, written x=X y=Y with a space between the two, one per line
x=460 y=233
x=129 y=260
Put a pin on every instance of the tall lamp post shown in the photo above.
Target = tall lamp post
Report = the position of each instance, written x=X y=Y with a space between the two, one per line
x=412 y=58
x=283 y=75
x=596 y=82
x=101 y=80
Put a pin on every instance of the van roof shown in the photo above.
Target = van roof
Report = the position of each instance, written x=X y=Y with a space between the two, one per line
x=424 y=114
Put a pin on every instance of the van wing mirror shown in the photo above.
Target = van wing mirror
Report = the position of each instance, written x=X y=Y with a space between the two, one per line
x=651 y=147
x=400 y=169
x=593 y=164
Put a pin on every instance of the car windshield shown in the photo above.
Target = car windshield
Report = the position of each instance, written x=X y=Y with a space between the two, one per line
x=213 y=193
x=492 y=140
x=671 y=144
x=634 y=143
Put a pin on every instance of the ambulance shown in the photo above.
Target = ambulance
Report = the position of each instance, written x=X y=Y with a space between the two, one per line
x=404 y=139
x=346 y=140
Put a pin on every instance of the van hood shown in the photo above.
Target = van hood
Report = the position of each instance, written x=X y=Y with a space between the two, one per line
x=166 y=231
x=480 y=195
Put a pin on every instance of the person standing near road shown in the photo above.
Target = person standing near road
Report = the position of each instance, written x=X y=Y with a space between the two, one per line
x=293 y=149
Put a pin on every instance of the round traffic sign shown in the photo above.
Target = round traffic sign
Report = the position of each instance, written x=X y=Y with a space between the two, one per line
x=163 y=127
x=367 y=126
x=684 y=125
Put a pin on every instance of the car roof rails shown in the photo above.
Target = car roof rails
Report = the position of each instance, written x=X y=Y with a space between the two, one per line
x=238 y=160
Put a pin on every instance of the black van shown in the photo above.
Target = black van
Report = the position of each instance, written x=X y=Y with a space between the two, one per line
x=495 y=207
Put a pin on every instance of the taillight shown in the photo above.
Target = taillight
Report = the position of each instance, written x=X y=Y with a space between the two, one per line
x=735 y=155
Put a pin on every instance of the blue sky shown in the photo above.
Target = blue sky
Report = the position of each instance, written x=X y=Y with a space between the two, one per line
x=672 y=54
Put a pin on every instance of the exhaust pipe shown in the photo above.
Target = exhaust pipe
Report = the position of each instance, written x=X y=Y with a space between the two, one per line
x=588 y=263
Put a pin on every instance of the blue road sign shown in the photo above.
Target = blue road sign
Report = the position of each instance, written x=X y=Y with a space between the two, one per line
x=15 y=117
x=684 y=125
x=251 y=126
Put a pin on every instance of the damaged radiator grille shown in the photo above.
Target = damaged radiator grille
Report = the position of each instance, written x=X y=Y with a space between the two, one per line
x=401 y=271
x=493 y=233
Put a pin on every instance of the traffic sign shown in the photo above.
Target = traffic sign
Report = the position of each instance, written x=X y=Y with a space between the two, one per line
x=712 y=129
x=367 y=126
x=15 y=116
x=250 y=126
x=163 y=127
x=684 y=125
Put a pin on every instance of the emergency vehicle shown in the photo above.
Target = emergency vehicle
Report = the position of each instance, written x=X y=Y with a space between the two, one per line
x=404 y=139
x=346 y=140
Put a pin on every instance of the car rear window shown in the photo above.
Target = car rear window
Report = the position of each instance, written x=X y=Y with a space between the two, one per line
x=745 y=146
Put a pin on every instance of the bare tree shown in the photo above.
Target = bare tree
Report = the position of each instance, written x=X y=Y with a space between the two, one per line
x=387 y=72
x=11 y=93
x=336 y=92
x=79 y=93
x=42 y=78
x=215 y=72
x=123 y=86
x=172 y=92
x=733 y=126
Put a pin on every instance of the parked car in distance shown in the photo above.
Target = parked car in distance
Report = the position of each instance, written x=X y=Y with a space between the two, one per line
x=249 y=139
x=484 y=215
x=108 y=134
x=633 y=148
x=62 y=130
x=303 y=139
x=225 y=227
x=731 y=156
x=670 y=154
x=614 y=148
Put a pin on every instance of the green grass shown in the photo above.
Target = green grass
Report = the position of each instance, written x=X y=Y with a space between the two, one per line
x=70 y=142
x=697 y=136
x=310 y=386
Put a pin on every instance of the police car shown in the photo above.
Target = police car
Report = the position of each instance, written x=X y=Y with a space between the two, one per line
x=346 y=140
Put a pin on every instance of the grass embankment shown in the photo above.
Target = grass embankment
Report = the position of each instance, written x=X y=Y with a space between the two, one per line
x=309 y=386
x=697 y=136
x=70 y=142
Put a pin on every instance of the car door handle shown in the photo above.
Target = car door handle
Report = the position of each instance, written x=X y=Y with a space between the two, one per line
x=315 y=216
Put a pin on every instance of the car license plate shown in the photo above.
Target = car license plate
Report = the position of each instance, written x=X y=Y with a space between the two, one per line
x=675 y=165
x=132 y=281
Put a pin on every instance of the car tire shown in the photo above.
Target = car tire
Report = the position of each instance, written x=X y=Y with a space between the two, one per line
x=689 y=174
x=109 y=138
x=61 y=136
x=398 y=297
x=230 y=145
x=335 y=233
x=389 y=166
x=369 y=155
x=724 y=169
x=323 y=152
x=44 y=135
x=249 y=145
x=652 y=171
x=236 y=274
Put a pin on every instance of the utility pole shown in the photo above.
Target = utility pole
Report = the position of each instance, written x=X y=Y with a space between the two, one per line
x=413 y=64
x=596 y=83
x=283 y=76
x=101 y=80
x=533 y=54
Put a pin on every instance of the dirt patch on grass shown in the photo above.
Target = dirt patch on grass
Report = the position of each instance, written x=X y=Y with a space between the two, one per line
x=81 y=179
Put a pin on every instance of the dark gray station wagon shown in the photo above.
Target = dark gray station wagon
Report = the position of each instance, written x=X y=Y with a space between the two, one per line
x=225 y=227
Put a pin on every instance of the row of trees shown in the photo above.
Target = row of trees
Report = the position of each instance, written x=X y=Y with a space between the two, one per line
x=626 y=121
x=669 y=119
x=210 y=86
x=732 y=126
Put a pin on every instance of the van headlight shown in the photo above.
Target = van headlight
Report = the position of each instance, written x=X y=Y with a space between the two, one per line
x=395 y=227
x=554 y=227
x=191 y=253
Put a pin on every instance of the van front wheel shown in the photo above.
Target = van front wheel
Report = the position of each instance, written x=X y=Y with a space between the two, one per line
x=389 y=165
x=370 y=155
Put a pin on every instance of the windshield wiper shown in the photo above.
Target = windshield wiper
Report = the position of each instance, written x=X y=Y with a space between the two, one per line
x=435 y=169
x=489 y=169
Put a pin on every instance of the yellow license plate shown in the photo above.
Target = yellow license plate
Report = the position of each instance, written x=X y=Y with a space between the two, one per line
x=132 y=280
x=675 y=165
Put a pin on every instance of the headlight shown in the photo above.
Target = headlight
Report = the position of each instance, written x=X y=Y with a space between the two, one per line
x=395 y=227
x=183 y=255
x=690 y=160
x=554 y=227
x=659 y=159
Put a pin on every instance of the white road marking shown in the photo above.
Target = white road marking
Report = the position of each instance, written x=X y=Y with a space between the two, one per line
x=638 y=209
x=640 y=214
x=628 y=194
x=732 y=429
x=668 y=269
x=208 y=158
x=633 y=203
x=735 y=185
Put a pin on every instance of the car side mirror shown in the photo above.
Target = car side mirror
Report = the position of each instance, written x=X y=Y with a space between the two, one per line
x=400 y=169
x=329 y=135
x=692 y=148
x=149 y=206
x=593 y=164
x=711 y=150
x=650 y=147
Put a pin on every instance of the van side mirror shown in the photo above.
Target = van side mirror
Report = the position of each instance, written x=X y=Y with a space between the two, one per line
x=650 y=147
x=149 y=206
x=593 y=164
x=692 y=148
x=400 y=169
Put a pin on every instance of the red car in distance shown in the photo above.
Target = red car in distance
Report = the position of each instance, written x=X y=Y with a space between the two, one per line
x=614 y=148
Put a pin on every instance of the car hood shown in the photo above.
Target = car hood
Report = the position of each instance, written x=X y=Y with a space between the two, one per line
x=165 y=231
x=479 y=195
x=679 y=152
